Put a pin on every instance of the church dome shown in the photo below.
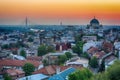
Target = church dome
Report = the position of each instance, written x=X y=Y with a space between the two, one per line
x=94 y=21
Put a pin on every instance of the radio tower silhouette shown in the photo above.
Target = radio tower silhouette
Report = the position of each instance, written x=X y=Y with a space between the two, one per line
x=26 y=22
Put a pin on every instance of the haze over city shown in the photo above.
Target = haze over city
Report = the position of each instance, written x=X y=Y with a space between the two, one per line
x=54 y=11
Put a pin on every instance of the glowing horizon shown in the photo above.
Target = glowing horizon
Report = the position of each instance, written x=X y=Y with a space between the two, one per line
x=55 y=11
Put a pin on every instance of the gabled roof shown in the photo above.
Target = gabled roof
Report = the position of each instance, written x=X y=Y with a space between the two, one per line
x=92 y=50
x=19 y=63
x=14 y=72
x=63 y=75
x=50 y=70
x=99 y=54
x=110 y=58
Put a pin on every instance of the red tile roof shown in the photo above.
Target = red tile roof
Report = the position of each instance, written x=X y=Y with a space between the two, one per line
x=92 y=50
x=20 y=63
x=14 y=72
x=99 y=54
x=108 y=46
x=50 y=70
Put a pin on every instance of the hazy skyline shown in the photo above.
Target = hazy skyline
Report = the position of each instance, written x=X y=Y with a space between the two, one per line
x=55 y=11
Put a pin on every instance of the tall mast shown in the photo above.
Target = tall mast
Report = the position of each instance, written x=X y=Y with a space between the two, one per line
x=26 y=22
x=61 y=23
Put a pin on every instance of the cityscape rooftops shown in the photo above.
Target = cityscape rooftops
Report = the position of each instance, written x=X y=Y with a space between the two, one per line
x=62 y=75
x=34 y=77
x=19 y=63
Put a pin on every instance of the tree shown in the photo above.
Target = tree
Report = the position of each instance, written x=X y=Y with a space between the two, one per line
x=114 y=71
x=5 y=46
x=50 y=49
x=23 y=53
x=28 y=68
x=93 y=62
x=78 y=37
x=83 y=74
x=7 y=77
x=68 y=54
x=100 y=76
x=62 y=59
x=30 y=39
x=78 y=48
x=45 y=62
x=73 y=76
x=42 y=50
x=85 y=55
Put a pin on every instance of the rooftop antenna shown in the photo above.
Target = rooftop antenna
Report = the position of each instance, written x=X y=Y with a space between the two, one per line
x=61 y=23
x=26 y=22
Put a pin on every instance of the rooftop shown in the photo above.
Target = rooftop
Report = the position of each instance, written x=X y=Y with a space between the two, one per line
x=94 y=21
x=20 y=63
x=14 y=72
x=62 y=75
x=34 y=77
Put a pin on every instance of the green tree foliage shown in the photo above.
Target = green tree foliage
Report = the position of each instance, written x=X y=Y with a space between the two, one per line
x=30 y=39
x=23 y=53
x=83 y=74
x=78 y=37
x=100 y=76
x=45 y=62
x=114 y=71
x=5 y=46
x=62 y=59
x=78 y=48
x=7 y=77
x=50 y=49
x=68 y=54
x=42 y=50
x=85 y=55
x=93 y=62
x=28 y=68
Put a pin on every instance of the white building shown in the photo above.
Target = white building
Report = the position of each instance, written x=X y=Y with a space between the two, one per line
x=77 y=61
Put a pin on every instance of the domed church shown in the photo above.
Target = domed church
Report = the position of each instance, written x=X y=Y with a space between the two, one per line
x=94 y=26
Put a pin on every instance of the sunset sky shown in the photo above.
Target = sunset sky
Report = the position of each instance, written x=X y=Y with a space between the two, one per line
x=55 y=11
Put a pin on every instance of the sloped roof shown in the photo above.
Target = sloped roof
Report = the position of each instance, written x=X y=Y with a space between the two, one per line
x=20 y=63
x=34 y=77
x=62 y=75
x=50 y=70
x=13 y=72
